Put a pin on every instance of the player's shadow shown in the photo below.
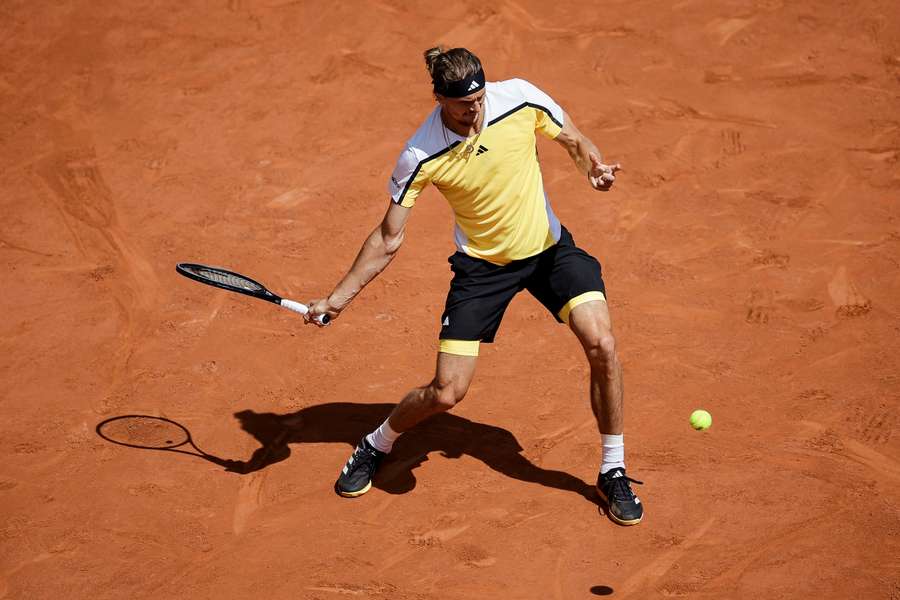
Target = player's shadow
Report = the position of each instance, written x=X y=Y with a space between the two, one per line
x=450 y=435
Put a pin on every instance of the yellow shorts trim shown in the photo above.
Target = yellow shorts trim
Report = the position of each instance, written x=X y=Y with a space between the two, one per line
x=580 y=299
x=460 y=347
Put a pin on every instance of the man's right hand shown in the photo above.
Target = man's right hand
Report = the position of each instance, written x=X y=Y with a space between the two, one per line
x=320 y=307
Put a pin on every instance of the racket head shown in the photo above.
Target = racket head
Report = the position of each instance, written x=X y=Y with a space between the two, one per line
x=226 y=280
x=144 y=431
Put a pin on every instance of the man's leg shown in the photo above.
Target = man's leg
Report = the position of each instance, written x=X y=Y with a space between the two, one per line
x=592 y=325
x=479 y=294
x=451 y=382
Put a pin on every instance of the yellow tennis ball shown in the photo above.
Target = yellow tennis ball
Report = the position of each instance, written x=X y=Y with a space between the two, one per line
x=700 y=419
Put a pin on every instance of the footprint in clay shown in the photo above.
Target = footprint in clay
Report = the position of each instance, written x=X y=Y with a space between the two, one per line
x=759 y=307
x=849 y=301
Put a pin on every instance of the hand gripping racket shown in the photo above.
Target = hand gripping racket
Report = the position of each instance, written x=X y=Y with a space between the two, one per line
x=235 y=282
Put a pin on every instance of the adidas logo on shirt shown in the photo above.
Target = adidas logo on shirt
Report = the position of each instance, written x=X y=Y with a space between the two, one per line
x=473 y=86
x=481 y=150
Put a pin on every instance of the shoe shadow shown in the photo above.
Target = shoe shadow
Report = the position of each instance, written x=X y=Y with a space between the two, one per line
x=450 y=435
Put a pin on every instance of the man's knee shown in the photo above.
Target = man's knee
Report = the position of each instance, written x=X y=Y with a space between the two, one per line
x=600 y=347
x=446 y=395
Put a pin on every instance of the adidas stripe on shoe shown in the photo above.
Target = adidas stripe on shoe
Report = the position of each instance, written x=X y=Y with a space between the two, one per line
x=614 y=487
x=356 y=476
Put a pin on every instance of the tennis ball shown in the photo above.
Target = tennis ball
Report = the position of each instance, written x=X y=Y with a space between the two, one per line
x=700 y=420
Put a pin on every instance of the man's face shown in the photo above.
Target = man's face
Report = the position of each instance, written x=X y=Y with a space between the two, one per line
x=466 y=110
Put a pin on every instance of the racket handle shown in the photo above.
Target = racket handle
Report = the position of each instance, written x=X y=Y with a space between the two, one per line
x=303 y=309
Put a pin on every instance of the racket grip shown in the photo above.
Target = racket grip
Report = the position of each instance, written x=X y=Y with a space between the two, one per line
x=301 y=308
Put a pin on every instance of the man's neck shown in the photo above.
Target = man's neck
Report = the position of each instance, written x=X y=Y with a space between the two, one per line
x=463 y=129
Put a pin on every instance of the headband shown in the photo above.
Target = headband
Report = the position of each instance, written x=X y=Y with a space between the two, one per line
x=463 y=87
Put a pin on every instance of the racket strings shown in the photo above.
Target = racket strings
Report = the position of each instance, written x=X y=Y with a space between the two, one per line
x=227 y=279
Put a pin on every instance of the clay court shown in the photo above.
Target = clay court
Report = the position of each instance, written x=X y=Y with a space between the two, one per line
x=751 y=250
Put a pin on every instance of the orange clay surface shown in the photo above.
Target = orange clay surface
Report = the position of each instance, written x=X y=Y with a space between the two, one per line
x=751 y=248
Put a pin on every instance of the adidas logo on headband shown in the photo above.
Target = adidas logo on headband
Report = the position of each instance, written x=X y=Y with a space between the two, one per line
x=463 y=87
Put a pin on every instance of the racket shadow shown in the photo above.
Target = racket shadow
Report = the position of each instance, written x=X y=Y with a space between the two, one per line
x=448 y=434
x=161 y=434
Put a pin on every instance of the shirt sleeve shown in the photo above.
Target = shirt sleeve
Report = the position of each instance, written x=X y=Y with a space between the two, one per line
x=408 y=179
x=549 y=116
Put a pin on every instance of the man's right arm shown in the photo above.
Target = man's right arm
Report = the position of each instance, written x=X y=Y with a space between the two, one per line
x=375 y=255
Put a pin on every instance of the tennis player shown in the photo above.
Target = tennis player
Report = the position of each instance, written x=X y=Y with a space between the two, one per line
x=478 y=148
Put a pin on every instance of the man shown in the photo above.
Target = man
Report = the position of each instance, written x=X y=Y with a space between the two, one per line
x=478 y=148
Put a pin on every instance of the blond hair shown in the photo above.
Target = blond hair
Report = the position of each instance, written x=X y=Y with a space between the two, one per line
x=446 y=66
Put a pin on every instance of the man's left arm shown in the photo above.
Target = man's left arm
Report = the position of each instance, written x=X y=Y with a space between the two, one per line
x=586 y=156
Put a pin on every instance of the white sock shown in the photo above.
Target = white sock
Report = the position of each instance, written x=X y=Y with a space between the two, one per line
x=613 y=452
x=384 y=437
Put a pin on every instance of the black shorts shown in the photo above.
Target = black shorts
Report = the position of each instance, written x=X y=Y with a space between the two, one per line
x=560 y=277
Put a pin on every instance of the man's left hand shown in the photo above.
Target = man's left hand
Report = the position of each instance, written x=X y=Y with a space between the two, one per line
x=602 y=176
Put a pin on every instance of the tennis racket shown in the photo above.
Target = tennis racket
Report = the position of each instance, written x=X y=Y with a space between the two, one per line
x=235 y=282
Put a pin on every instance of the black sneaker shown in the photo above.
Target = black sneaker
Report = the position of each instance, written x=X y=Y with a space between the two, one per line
x=356 y=476
x=624 y=507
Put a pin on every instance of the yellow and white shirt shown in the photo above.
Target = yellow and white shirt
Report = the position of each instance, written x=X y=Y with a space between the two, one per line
x=492 y=179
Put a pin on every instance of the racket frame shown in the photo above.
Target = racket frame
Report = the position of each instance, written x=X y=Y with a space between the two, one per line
x=263 y=293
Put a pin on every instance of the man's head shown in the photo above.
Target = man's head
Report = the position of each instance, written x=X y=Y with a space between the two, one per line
x=458 y=80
